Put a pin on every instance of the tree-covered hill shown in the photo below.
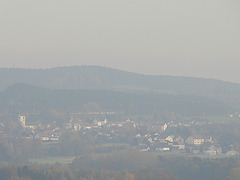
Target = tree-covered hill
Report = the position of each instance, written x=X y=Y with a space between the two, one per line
x=102 y=78
x=28 y=98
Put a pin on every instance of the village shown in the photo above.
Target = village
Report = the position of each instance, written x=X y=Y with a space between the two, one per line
x=146 y=137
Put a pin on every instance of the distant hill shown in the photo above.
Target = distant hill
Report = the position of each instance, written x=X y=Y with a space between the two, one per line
x=28 y=98
x=102 y=78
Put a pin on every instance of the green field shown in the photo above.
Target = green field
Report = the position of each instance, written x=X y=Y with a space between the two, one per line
x=53 y=160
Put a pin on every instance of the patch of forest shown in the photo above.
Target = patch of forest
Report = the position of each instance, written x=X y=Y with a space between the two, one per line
x=21 y=98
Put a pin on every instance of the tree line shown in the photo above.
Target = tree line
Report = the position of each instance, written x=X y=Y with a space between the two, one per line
x=165 y=169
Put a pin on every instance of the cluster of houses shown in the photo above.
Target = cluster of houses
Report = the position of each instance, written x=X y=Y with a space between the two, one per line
x=145 y=136
x=195 y=144
x=45 y=132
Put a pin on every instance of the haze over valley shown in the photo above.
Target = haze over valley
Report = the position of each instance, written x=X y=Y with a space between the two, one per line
x=119 y=90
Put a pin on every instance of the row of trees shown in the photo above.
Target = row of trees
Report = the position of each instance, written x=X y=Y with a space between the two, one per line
x=57 y=172
x=182 y=167
x=65 y=173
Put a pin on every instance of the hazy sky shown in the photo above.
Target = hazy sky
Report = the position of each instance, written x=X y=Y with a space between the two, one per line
x=172 y=37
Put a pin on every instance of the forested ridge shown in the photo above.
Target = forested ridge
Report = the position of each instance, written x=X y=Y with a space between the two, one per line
x=28 y=98
x=102 y=78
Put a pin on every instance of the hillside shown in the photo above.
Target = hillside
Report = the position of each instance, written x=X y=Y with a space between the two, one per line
x=28 y=98
x=101 y=78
